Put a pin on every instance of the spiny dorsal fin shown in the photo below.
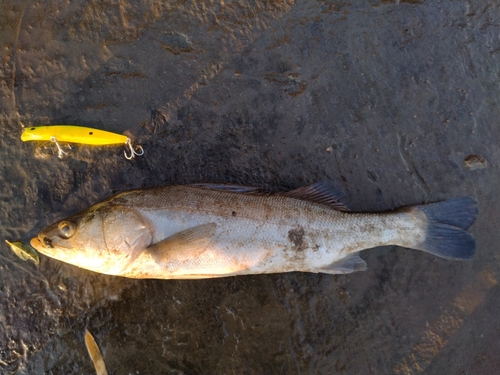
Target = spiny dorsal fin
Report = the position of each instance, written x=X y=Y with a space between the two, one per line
x=229 y=187
x=323 y=192
x=184 y=245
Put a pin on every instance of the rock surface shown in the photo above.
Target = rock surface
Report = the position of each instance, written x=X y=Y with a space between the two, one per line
x=390 y=98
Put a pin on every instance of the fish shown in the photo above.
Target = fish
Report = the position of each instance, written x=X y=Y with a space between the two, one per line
x=209 y=230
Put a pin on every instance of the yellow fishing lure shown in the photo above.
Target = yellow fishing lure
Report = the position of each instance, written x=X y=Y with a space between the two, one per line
x=78 y=134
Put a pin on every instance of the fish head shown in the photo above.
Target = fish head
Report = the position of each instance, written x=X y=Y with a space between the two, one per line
x=102 y=239
x=72 y=239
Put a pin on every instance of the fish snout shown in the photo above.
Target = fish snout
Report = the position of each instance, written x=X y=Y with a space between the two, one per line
x=35 y=243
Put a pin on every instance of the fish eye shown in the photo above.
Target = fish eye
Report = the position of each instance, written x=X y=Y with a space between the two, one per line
x=66 y=228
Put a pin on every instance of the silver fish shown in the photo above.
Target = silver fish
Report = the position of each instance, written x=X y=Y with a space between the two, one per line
x=190 y=232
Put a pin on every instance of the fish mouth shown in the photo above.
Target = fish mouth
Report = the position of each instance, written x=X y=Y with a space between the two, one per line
x=37 y=244
x=44 y=245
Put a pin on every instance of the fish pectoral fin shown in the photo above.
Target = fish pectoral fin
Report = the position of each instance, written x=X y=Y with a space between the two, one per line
x=349 y=264
x=323 y=192
x=183 y=245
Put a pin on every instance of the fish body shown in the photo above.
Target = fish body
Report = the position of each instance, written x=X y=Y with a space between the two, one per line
x=188 y=232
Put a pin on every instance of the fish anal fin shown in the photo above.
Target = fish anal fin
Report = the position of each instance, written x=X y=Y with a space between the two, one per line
x=349 y=264
x=183 y=245
x=323 y=192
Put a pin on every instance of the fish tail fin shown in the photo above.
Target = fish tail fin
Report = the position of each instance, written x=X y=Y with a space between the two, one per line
x=447 y=223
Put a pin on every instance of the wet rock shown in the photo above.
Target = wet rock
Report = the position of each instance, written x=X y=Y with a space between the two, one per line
x=175 y=42
x=291 y=83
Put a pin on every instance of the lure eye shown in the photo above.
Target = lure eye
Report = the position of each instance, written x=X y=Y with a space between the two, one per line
x=67 y=229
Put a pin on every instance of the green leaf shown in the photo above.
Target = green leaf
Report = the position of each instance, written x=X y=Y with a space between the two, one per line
x=23 y=251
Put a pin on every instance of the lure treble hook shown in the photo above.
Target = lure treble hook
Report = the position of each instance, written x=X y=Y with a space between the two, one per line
x=60 y=152
x=133 y=152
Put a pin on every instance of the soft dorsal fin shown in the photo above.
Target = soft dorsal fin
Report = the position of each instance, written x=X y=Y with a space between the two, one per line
x=323 y=192
x=229 y=187
x=184 y=245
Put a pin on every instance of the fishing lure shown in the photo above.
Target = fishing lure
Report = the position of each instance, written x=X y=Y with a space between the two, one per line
x=78 y=134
